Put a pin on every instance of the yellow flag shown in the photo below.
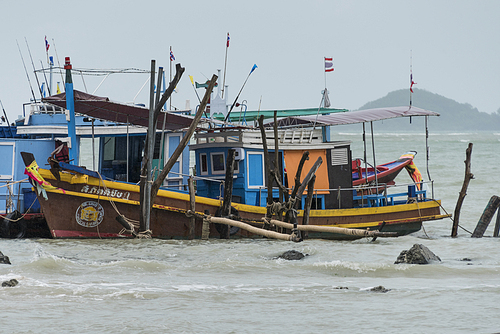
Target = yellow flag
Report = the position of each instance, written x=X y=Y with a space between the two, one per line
x=58 y=90
x=191 y=78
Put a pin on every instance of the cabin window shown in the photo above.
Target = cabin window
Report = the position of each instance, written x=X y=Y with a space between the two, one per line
x=203 y=164
x=171 y=143
x=255 y=168
x=218 y=165
x=7 y=165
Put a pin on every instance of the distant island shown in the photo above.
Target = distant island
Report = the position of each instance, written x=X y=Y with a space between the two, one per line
x=454 y=116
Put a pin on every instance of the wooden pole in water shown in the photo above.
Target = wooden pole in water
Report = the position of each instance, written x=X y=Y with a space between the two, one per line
x=277 y=171
x=148 y=157
x=267 y=167
x=307 y=208
x=192 y=207
x=463 y=192
x=485 y=219
x=228 y=191
x=497 y=225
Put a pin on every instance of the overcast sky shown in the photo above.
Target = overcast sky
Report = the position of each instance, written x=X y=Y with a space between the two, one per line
x=454 y=46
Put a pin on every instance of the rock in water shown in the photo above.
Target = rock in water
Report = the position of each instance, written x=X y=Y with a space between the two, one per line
x=380 y=288
x=418 y=254
x=4 y=259
x=10 y=283
x=291 y=255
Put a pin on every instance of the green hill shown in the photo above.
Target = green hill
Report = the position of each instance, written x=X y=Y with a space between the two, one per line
x=454 y=116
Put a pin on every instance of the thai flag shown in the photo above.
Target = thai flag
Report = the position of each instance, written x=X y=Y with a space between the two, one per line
x=227 y=45
x=172 y=58
x=47 y=45
x=328 y=64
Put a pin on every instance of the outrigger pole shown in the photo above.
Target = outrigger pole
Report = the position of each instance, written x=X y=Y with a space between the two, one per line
x=236 y=99
x=25 y=70
x=34 y=70
x=5 y=114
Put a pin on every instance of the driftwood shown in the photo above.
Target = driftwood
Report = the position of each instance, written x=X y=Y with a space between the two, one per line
x=463 y=192
x=333 y=229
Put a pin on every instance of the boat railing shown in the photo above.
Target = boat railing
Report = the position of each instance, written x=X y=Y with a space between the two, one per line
x=285 y=137
x=368 y=196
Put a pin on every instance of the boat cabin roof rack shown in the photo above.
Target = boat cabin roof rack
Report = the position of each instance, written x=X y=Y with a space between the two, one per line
x=288 y=139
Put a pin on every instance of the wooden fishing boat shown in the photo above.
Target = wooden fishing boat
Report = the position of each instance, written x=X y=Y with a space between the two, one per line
x=79 y=203
x=385 y=173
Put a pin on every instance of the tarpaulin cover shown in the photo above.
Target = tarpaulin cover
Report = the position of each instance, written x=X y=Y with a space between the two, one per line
x=103 y=108
x=358 y=116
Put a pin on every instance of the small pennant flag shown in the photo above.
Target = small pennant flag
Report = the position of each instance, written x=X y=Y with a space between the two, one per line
x=412 y=82
x=227 y=45
x=253 y=68
x=191 y=78
x=328 y=64
x=47 y=45
x=172 y=58
x=58 y=89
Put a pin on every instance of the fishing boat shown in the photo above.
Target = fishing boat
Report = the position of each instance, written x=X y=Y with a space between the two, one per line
x=80 y=203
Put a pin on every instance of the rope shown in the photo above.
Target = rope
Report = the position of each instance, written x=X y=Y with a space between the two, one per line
x=132 y=223
x=449 y=216
x=275 y=208
x=22 y=216
x=14 y=182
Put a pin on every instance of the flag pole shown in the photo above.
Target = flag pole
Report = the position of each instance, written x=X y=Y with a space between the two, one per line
x=236 y=99
x=411 y=76
x=324 y=72
x=225 y=63
x=170 y=80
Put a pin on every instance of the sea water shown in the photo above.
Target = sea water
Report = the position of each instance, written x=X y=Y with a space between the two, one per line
x=239 y=286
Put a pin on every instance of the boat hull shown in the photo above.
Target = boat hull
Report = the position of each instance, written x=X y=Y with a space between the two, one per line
x=86 y=207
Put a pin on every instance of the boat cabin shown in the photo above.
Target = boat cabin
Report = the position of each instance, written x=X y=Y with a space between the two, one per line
x=250 y=184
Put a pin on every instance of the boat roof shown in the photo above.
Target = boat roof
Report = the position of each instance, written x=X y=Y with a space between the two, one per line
x=105 y=109
x=253 y=115
x=358 y=116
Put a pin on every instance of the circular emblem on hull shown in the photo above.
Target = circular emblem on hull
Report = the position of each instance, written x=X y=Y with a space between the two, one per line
x=89 y=214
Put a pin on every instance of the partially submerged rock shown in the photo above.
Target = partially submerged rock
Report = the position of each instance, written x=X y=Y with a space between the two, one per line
x=380 y=288
x=292 y=255
x=418 y=254
x=10 y=283
x=4 y=259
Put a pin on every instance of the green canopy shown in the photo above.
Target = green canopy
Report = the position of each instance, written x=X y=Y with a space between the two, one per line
x=238 y=115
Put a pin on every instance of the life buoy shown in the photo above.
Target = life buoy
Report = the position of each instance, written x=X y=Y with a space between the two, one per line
x=13 y=227
x=222 y=228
